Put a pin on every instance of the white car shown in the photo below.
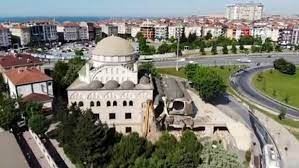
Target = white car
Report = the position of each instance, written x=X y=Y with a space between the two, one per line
x=244 y=60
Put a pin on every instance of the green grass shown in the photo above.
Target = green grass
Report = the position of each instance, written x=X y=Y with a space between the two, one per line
x=223 y=71
x=279 y=86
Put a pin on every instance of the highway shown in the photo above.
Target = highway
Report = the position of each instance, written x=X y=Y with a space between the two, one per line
x=242 y=82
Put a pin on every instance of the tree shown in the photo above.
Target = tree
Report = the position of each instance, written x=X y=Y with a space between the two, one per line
x=267 y=45
x=224 y=50
x=234 y=48
x=129 y=149
x=164 y=48
x=148 y=68
x=209 y=36
x=93 y=143
x=2 y=84
x=284 y=67
x=278 y=48
x=241 y=47
x=165 y=146
x=282 y=114
x=208 y=83
x=246 y=40
x=79 y=53
x=38 y=124
x=214 y=49
x=191 y=38
x=8 y=112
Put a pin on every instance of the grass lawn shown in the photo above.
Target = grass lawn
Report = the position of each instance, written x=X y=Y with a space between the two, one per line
x=224 y=71
x=282 y=87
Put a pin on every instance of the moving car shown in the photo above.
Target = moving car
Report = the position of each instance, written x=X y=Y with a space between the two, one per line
x=244 y=60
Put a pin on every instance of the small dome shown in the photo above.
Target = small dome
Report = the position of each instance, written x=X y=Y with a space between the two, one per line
x=127 y=85
x=112 y=84
x=144 y=80
x=113 y=46
x=95 y=84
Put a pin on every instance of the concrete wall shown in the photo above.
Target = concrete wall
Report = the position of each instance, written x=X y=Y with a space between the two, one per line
x=139 y=98
x=44 y=150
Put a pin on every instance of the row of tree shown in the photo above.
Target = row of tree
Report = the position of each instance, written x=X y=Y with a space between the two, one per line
x=206 y=81
x=89 y=143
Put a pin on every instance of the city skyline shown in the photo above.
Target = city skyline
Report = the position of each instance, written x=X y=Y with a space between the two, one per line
x=133 y=7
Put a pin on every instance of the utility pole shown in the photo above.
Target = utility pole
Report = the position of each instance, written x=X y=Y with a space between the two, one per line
x=178 y=49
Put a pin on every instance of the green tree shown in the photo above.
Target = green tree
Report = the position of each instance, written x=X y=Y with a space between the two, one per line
x=214 y=49
x=164 y=48
x=209 y=36
x=282 y=114
x=224 y=50
x=234 y=48
x=79 y=53
x=59 y=72
x=241 y=47
x=38 y=123
x=148 y=68
x=191 y=38
x=278 y=48
x=129 y=149
x=8 y=112
x=165 y=146
x=92 y=142
x=208 y=83
x=267 y=45
x=2 y=84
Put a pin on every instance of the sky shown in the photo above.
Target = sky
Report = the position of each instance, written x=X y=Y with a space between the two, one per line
x=133 y=7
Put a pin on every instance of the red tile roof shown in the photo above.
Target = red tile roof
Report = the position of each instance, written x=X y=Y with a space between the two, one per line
x=25 y=76
x=18 y=60
x=36 y=97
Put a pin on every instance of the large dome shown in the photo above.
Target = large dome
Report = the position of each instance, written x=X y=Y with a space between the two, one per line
x=113 y=46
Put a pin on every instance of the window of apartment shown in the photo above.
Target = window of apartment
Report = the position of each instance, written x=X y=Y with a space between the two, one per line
x=108 y=103
x=114 y=103
x=128 y=116
x=98 y=103
x=91 y=104
x=128 y=129
x=124 y=103
x=80 y=104
x=130 y=103
x=111 y=116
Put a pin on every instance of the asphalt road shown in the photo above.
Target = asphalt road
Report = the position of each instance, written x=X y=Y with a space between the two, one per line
x=242 y=81
x=226 y=60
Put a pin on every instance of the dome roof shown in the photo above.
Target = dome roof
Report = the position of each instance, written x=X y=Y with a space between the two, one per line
x=144 y=80
x=113 y=46
x=112 y=84
x=127 y=85
x=95 y=84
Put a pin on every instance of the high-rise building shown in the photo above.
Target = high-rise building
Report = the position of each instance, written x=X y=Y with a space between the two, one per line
x=5 y=37
x=148 y=30
x=246 y=11
x=44 y=32
x=161 y=32
x=22 y=32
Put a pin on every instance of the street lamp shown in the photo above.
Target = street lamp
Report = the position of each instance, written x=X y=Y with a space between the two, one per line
x=178 y=47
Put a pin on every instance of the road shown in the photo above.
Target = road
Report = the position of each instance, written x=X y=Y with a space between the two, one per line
x=226 y=60
x=242 y=82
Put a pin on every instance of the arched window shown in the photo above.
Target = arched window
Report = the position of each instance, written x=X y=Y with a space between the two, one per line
x=80 y=104
x=124 y=103
x=108 y=103
x=91 y=104
x=114 y=103
x=98 y=103
x=130 y=103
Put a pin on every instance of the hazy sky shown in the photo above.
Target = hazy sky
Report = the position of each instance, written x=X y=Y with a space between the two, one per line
x=132 y=7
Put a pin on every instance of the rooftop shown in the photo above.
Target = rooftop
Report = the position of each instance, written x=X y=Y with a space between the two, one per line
x=12 y=60
x=11 y=154
x=36 y=97
x=26 y=76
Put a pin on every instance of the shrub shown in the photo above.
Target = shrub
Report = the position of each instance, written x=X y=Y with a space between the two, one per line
x=284 y=67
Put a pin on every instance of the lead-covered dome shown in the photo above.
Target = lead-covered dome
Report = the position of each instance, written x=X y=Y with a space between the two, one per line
x=95 y=85
x=127 y=85
x=113 y=46
x=111 y=84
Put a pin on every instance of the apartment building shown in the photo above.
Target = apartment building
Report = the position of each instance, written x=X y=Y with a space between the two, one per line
x=246 y=11
x=161 y=32
x=83 y=31
x=71 y=31
x=5 y=38
x=110 y=29
x=147 y=28
x=285 y=37
x=43 y=32
x=22 y=33
x=175 y=31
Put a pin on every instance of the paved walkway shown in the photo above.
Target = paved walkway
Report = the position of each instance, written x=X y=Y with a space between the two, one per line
x=35 y=149
x=62 y=154
x=287 y=144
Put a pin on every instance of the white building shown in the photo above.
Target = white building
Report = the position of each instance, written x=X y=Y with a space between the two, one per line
x=263 y=31
x=30 y=84
x=23 y=33
x=215 y=30
x=5 y=37
x=161 y=32
x=247 y=11
x=71 y=31
x=295 y=36
x=174 y=31
x=110 y=29
x=193 y=29
x=109 y=86
x=83 y=31
x=135 y=30
x=124 y=28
